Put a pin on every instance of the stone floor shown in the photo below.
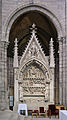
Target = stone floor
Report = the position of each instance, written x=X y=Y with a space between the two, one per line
x=10 y=115
x=41 y=118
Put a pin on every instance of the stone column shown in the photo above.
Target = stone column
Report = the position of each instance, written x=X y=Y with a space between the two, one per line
x=62 y=70
x=3 y=75
x=16 y=97
x=66 y=51
x=66 y=77
x=52 y=86
x=52 y=66
x=15 y=65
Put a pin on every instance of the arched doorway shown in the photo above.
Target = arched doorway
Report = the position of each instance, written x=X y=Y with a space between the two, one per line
x=21 y=29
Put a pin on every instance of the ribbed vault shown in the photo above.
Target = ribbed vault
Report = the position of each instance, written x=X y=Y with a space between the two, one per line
x=21 y=30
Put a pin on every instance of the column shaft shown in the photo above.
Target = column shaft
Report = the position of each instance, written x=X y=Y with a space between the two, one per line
x=3 y=75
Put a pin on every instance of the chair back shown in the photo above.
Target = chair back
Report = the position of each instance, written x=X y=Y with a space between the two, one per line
x=52 y=108
x=62 y=108
x=35 y=111
x=41 y=109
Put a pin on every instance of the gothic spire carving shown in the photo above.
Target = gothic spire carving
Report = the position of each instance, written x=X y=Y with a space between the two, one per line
x=15 y=64
x=34 y=50
x=52 y=62
x=33 y=29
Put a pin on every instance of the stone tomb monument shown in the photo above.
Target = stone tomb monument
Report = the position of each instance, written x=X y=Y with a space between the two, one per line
x=34 y=76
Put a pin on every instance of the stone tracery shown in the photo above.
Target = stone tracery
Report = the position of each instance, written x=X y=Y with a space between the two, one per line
x=35 y=77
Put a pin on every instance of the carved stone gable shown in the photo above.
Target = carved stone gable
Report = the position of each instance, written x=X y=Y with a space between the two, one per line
x=33 y=51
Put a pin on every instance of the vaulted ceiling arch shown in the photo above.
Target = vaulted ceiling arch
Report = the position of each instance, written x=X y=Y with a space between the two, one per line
x=21 y=30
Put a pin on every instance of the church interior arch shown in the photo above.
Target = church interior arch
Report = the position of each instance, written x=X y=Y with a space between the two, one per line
x=21 y=30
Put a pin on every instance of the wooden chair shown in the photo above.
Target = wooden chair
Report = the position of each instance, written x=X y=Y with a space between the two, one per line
x=60 y=107
x=42 y=112
x=29 y=112
x=52 y=110
x=35 y=113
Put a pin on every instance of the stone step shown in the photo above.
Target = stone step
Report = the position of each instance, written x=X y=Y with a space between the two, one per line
x=41 y=118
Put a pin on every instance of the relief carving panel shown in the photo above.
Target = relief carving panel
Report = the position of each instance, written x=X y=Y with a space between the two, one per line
x=33 y=82
x=33 y=72
x=34 y=90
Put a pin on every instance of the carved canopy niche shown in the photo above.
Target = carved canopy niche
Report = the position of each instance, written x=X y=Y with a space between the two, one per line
x=33 y=78
x=34 y=72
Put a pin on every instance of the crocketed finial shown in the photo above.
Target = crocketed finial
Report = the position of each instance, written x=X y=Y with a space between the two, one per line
x=33 y=28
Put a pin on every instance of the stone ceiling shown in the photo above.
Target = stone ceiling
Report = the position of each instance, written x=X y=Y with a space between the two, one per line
x=21 y=30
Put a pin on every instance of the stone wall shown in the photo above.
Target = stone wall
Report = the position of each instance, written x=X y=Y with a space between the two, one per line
x=3 y=75
x=59 y=9
x=66 y=51
x=0 y=19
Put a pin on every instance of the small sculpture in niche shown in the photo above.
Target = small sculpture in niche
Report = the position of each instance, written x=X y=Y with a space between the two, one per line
x=33 y=49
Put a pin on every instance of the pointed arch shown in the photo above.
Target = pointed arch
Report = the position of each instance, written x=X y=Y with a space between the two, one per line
x=24 y=9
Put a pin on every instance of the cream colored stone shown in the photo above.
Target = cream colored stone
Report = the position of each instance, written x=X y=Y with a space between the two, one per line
x=34 y=79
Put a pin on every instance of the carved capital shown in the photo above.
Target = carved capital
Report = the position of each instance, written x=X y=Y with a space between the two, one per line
x=62 y=40
x=5 y=44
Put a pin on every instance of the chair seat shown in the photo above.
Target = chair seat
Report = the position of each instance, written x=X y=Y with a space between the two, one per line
x=44 y=114
x=35 y=113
